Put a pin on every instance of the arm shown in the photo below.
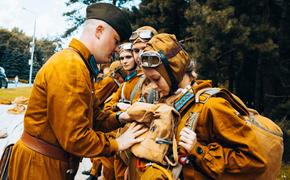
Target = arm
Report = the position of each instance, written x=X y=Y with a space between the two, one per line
x=70 y=111
x=105 y=121
x=112 y=104
x=104 y=89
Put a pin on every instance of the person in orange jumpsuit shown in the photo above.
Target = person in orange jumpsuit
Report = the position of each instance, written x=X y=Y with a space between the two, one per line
x=58 y=124
x=104 y=88
x=222 y=145
x=139 y=39
x=144 y=93
x=120 y=101
x=126 y=93
x=109 y=84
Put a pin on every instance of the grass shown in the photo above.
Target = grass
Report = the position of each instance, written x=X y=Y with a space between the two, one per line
x=12 y=93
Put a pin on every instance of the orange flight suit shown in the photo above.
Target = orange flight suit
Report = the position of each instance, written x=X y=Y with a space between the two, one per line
x=61 y=113
x=225 y=145
x=103 y=89
x=117 y=166
x=129 y=86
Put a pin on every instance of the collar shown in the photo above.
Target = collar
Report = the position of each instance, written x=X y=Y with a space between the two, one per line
x=85 y=54
x=81 y=48
x=131 y=75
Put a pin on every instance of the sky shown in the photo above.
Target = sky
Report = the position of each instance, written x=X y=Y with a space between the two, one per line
x=22 y=13
x=48 y=14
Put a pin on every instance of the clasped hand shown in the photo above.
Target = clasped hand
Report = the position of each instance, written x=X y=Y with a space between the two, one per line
x=131 y=136
x=187 y=139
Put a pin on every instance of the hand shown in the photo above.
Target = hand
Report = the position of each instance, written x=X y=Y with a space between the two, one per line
x=124 y=117
x=123 y=106
x=130 y=136
x=187 y=139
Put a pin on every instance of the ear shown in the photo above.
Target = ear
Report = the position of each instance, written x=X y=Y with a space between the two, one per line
x=99 y=30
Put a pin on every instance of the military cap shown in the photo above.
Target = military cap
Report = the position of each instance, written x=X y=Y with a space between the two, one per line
x=111 y=15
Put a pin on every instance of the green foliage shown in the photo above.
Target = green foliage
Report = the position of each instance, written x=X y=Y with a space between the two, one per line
x=218 y=40
x=234 y=44
x=165 y=16
x=14 y=53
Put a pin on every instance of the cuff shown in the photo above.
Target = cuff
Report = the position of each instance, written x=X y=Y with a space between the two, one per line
x=116 y=123
x=199 y=151
x=208 y=158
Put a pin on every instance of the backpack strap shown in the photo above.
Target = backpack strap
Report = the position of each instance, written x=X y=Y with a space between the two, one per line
x=203 y=95
x=174 y=152
x=137 y=87
x=134 y=91
x=123 y=98
x=117 y=82
x=122 y=91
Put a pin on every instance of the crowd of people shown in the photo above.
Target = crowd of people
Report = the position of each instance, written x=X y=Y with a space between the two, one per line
x=147 y=117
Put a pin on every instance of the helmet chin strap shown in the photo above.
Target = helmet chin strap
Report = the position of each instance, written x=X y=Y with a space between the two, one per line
x=174 y=82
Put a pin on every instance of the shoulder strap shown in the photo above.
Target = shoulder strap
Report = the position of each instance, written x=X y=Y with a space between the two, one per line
x=137 y=87
x=236 y=102
x=123 y=99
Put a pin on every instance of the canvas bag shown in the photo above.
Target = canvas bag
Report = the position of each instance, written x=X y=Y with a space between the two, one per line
x=268 y=134
x=161 y=120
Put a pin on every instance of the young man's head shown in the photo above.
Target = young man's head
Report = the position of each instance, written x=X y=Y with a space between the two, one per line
x=105 y=27
x=139 y=38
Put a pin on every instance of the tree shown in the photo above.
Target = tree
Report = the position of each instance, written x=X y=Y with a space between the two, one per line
x=165 y=16
x=14 y=52
x=234 y=44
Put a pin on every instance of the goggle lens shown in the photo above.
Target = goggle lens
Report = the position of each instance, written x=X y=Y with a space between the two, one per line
x=145 y=34
x=150 y=59
x=125 y=46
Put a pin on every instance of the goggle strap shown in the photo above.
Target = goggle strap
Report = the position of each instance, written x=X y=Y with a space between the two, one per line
x=169 y=71
x=173 y=51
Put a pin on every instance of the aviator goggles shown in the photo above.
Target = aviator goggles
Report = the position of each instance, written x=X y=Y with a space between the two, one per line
x=151 y=59
x=154 y=58
x=143 y=34
x=125 y=46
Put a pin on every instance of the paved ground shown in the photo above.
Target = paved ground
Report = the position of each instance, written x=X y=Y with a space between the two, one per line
x=13 y=125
